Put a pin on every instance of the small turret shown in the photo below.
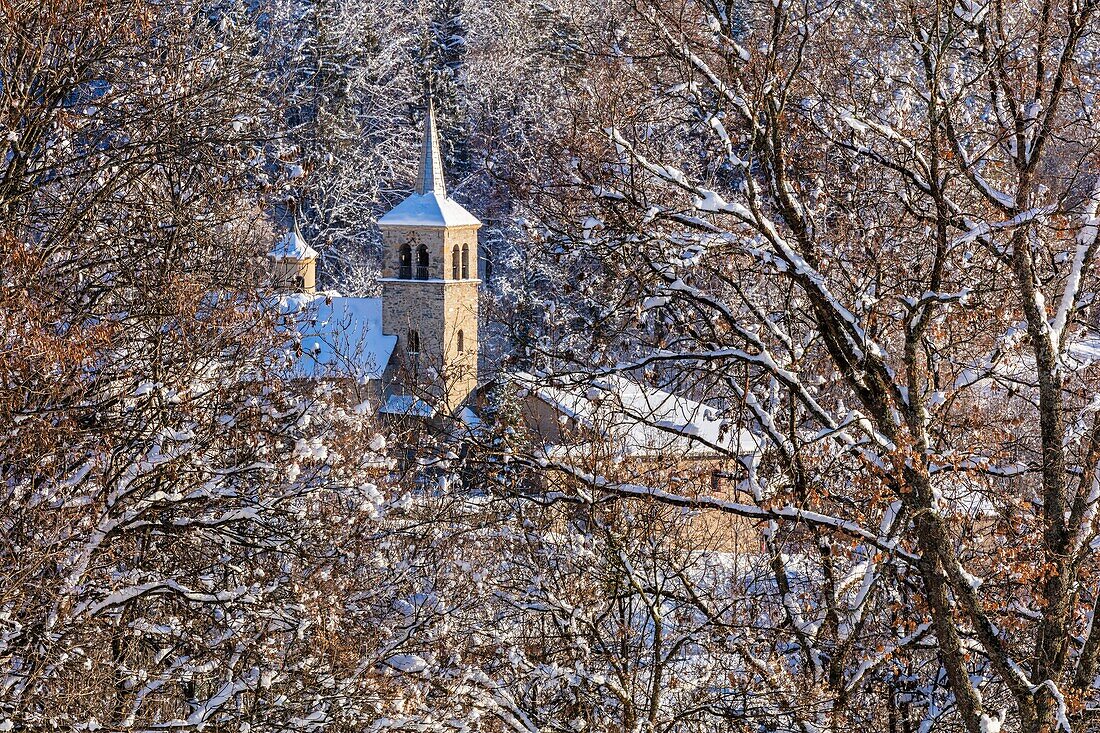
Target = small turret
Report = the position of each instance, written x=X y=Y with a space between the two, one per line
x=294 y=263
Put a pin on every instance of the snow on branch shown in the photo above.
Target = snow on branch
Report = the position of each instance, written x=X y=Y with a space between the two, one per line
x=167 y=586
x=1083 y=255
x=786 y=514
x=855 y=335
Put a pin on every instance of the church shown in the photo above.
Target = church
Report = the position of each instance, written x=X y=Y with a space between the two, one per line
x=416 y=347
x=413 y=352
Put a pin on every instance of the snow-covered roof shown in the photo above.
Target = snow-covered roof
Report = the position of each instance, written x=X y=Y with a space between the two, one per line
x=431 y=209
x=643 y=421
x=292 y=247
x=469 y=417
x=1086 y=351
x=340 y=336
x=399 y=404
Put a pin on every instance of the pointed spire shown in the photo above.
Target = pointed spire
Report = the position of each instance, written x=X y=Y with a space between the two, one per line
x=428 y=205
x=430 y=177
x=294 y=221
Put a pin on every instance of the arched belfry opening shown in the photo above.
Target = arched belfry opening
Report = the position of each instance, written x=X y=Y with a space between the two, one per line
x=406 y=262
x=422 y=263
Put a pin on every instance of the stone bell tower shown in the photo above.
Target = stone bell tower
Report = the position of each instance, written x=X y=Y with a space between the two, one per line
x=430 y=282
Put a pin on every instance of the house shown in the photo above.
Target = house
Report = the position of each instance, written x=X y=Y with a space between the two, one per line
x=566 y=415
x=613 y=431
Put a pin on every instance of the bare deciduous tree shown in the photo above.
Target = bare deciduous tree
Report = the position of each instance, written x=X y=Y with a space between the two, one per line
x=872 y=230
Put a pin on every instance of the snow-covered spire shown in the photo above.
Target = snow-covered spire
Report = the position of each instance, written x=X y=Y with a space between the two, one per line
x=428 y=205
x=294 y=225
x=430 y=178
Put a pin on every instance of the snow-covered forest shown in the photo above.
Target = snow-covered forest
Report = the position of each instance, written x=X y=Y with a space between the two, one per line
x=858 y=236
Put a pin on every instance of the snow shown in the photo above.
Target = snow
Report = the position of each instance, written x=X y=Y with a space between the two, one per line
x=407 y=663
x=643 y=420
x=710 y=201
x=340 y=336
x=469 y=418
x=852 y=122
x=981 y=229
x=144 y=388
x=971 y=12
x=992 y=725
x=407 y=405
x=292 y=247
x=1086 y=242
x=428 y=210
x=971 y=580
x=857 y=338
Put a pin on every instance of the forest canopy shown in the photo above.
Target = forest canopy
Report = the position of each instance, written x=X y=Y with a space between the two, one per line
x=855 y=240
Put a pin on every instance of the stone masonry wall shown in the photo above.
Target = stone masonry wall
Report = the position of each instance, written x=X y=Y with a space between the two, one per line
x=439 y=242
x=437 y=310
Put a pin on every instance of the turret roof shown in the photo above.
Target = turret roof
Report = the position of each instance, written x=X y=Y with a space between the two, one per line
x=293 y=247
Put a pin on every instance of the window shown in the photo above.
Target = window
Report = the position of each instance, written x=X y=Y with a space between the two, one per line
x=405 y=271
x=422 y=263
x=461 y=343
x=300 y=283
x=413 y=343
x=465 y=262
x=455 y=269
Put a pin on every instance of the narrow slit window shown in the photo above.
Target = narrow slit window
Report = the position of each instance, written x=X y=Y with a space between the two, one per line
x=465 y=262
x=413 y=346
x=461 y=342
x=456 y=269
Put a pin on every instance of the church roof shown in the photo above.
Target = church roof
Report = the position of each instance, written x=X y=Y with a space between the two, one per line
x=408 y=406
x=429 y=205
x=341 y=337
